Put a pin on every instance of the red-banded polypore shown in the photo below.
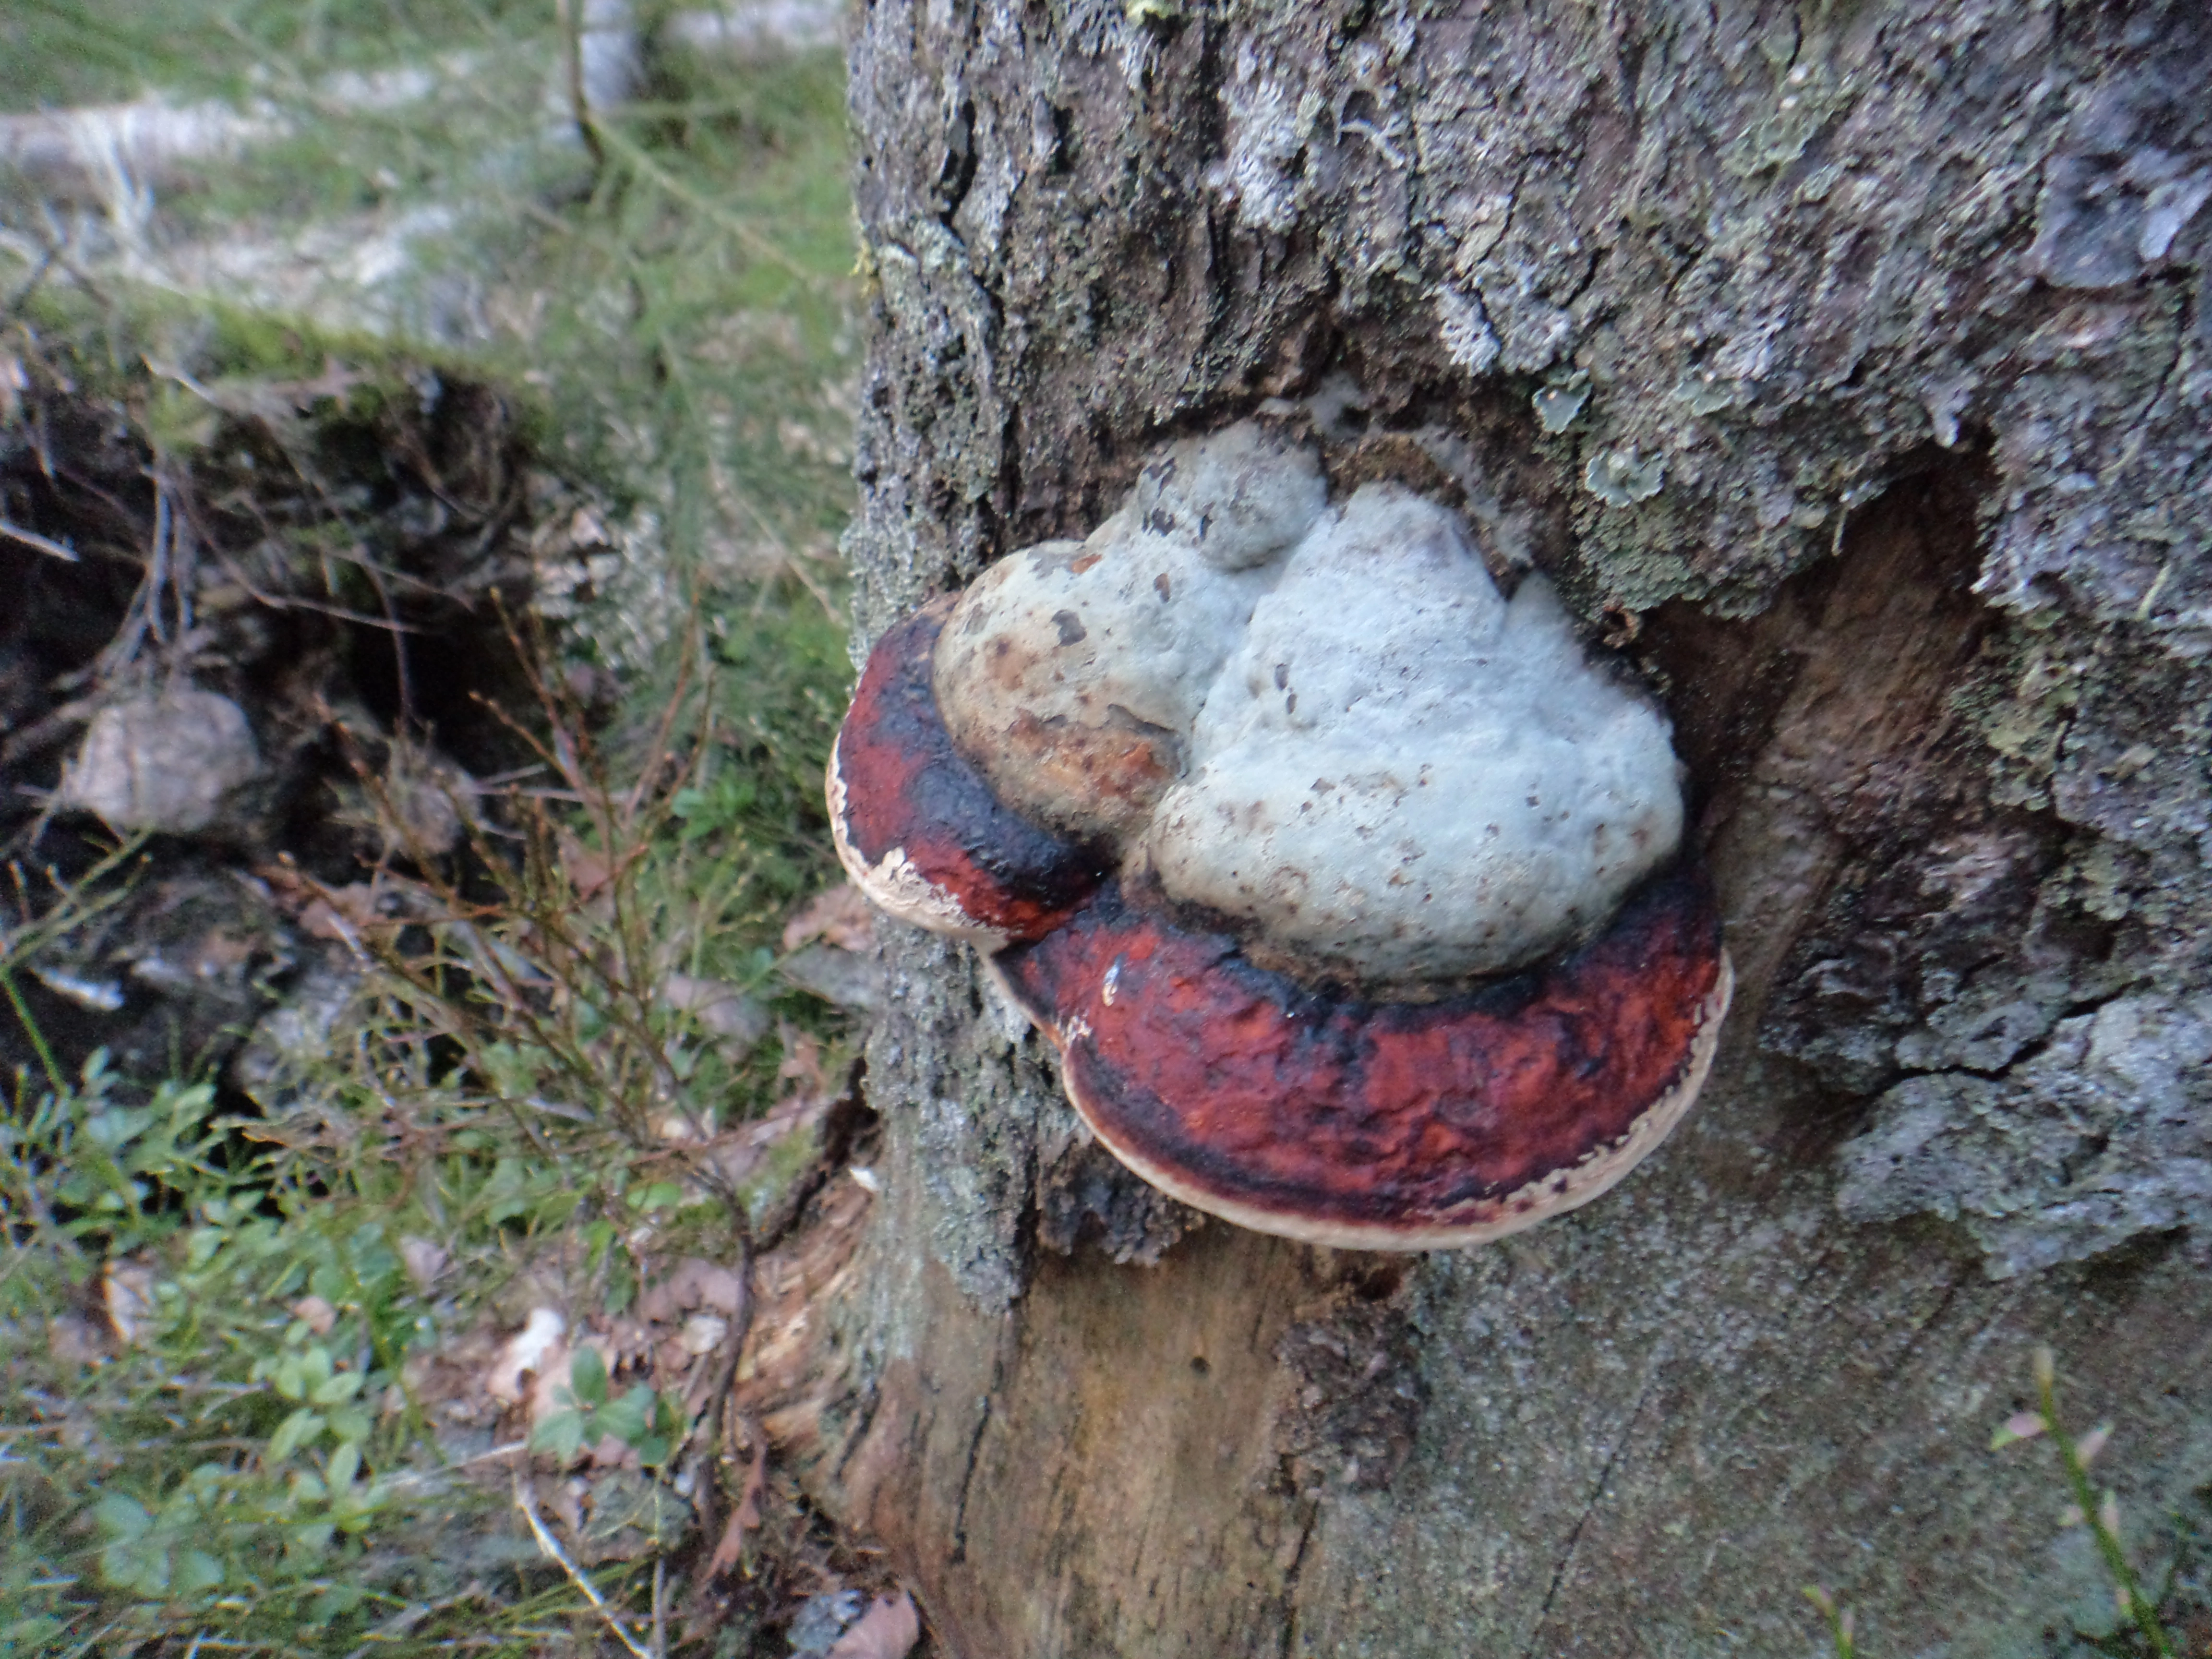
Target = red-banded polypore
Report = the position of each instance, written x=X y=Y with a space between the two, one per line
x=1350 y=891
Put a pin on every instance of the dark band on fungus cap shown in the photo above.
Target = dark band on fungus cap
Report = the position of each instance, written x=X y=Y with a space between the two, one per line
x=1380 y=1126
x=917 y=826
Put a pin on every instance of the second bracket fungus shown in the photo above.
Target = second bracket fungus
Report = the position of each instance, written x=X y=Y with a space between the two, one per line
x=1350 y=891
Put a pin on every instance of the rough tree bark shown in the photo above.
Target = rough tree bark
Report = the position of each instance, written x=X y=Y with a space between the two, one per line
x=1907 y=300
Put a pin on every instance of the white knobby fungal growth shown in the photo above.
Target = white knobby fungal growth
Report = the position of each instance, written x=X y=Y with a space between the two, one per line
x=1321 y=719
x=1073 y=670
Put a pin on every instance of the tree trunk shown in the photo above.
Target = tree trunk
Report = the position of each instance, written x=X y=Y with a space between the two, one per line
x=1907 y=298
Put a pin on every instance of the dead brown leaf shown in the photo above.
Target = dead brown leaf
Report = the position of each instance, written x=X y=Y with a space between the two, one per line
x=285 y=883
x=341 y=913
x=450 y=1380
x=849 y=979
x=888 y=1630
x=424 y=1259
x=220 y=953
x=589 y=871
x=840 y=915
x=76 y=1341
x=739 y=1021
x=802 y=1060
x=126 y=1289
x=741 y=1151
x=694 y=1283
x=530 y=1351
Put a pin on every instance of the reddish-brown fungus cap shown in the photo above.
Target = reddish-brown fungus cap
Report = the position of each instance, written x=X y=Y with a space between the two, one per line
x=917 y=826
x=1379 y=1126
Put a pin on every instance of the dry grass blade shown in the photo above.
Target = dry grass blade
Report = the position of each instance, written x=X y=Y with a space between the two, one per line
x=31 y=539
x=526 y=1501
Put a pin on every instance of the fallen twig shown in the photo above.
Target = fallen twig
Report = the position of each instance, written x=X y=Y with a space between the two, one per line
x=15 y=532
x=549 y=1547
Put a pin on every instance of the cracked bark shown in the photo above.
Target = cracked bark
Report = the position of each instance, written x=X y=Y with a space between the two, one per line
x=1574 y=1538
x=1909 y=301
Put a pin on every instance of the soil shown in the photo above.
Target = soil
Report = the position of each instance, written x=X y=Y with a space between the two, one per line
x=340 y=562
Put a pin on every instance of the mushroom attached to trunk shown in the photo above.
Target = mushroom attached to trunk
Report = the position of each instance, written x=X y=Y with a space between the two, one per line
x=1351 y=890
x=917 y=825
x=1319 y=1115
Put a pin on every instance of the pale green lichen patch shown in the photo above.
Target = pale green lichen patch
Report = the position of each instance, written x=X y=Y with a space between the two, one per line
x=1622 y=478
x=1705 y=394
x=1559 y=404
x=2023 y=704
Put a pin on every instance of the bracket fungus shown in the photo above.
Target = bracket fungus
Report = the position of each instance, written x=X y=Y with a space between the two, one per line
x=1350 y=891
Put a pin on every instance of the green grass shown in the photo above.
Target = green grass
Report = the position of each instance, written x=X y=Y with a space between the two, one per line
x=672 y=325
x=190 y=1451
x=60 y=52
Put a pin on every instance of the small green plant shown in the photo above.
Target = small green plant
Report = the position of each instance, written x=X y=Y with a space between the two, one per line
x=649 y=1423
x=2100 y=1513
x=511 y=1083
x=1842 y=1625
x=114 y=1164
x=219 y=1452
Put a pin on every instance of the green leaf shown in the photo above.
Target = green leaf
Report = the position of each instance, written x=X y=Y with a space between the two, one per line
x=621 y=1286
x=587 y=1377
x=629 y=1417
x=197 y=1571
x=652 y=1450
x=340 y=1598
x=302 y=1428
x=345 y=1463
x=337 y=1390
x=122 y=1518
x=356 y=1507
x=562 y=1434
x=352 y=1424
x=137 y=1566
x=551 y=1209
x=112 y=1131
x=598 y=1237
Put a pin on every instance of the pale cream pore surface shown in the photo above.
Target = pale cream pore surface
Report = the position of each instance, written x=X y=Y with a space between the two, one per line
x=1400 y=775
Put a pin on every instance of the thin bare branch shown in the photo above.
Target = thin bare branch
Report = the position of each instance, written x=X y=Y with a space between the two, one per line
x=31 y=539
